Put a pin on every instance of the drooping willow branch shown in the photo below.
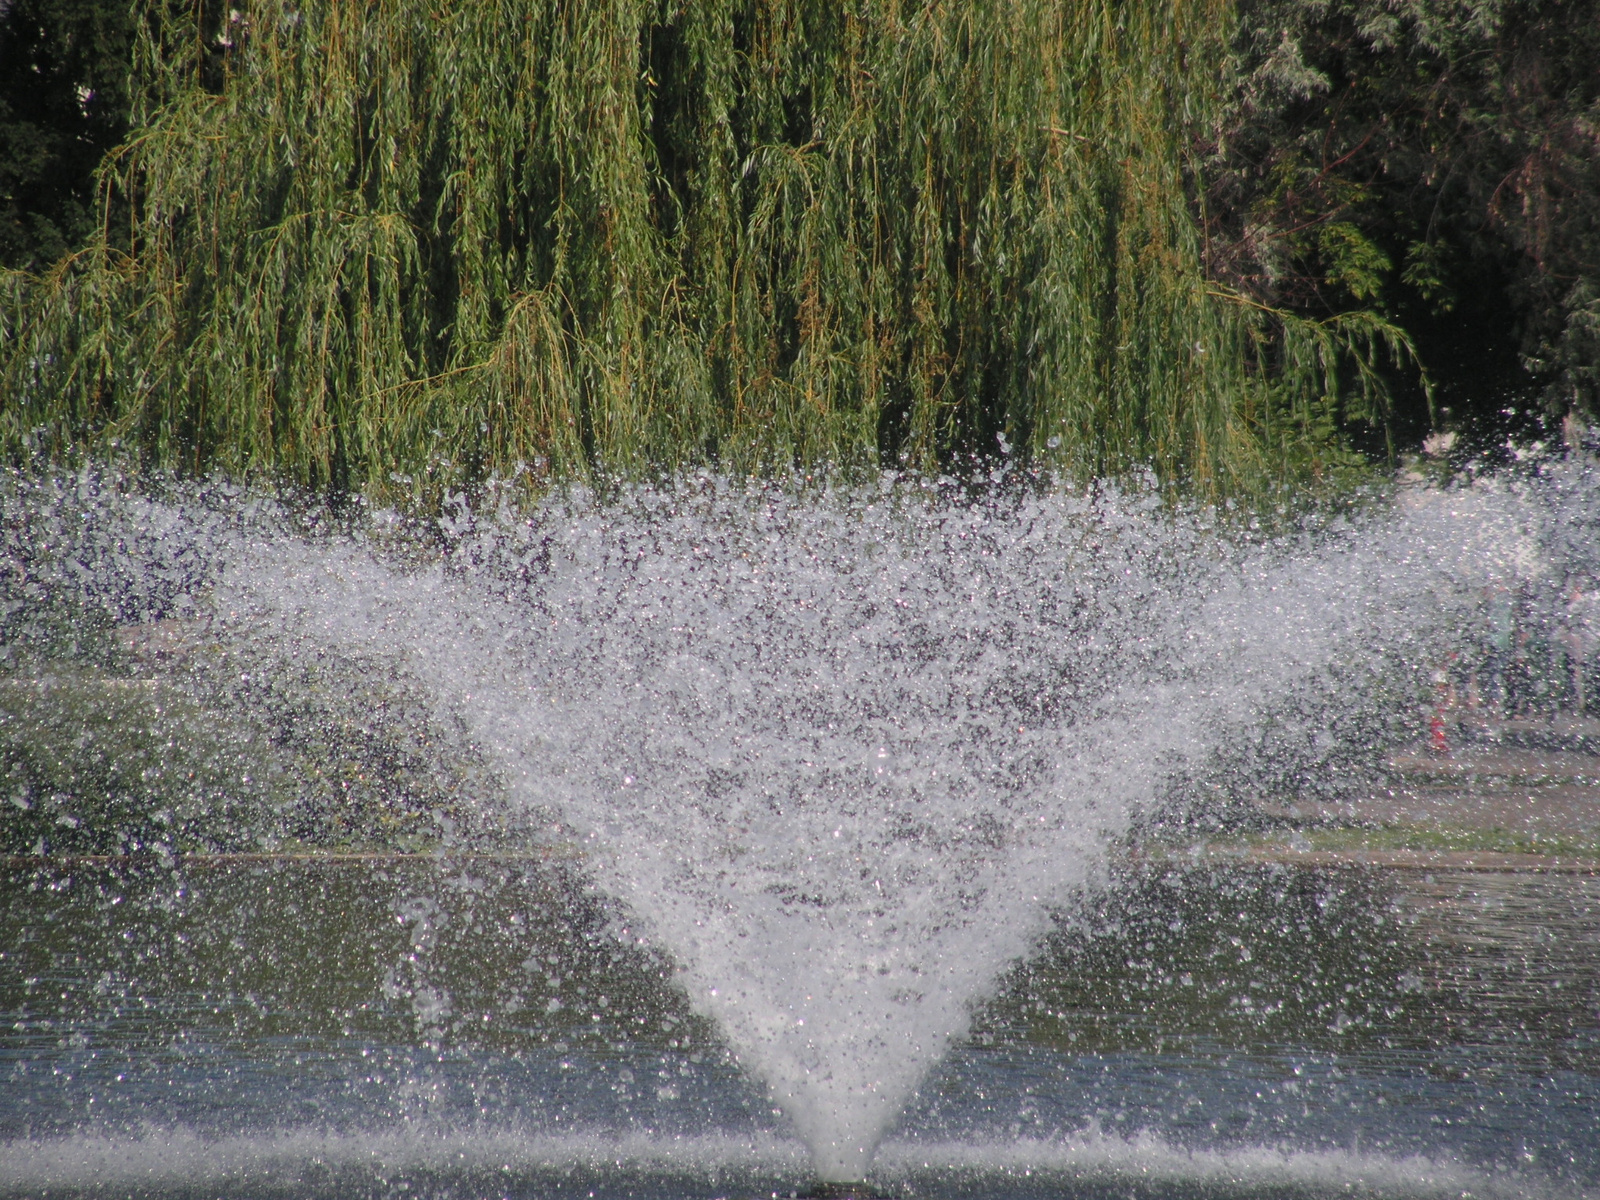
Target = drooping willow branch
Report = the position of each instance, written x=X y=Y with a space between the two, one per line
x=630 y=235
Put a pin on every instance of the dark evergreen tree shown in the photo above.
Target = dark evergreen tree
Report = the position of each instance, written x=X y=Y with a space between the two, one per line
x=63 y=103
x=1438 y=162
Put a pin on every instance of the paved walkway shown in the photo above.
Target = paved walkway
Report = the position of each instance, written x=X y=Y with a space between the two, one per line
x=1519 y=783
x=1399 y=860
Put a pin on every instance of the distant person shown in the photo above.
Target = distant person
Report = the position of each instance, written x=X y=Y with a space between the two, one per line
x=1582 y=637
x=1500 y=614
x=1521 y=692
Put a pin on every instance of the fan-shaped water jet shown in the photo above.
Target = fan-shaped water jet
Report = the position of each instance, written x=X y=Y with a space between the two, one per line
x=835 y=765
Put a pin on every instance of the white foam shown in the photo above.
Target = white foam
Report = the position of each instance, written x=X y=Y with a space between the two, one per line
x=1150 y=1159
x=180 y=1159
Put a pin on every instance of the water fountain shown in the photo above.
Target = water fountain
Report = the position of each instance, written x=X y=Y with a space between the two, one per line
x=799 y=799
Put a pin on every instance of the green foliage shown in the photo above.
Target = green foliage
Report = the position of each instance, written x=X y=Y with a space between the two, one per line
x=1428 y=271
x=1321 y=375
x=366 y=243
x=1354 y=262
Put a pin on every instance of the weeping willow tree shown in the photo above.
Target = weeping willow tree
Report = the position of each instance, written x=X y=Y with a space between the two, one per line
x=348 y=239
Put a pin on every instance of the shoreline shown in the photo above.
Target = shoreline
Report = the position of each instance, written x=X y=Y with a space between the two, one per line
x=1400 y=859
x=1395 y=859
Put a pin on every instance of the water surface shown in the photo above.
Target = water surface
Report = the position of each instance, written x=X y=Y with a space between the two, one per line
x=475 y=1027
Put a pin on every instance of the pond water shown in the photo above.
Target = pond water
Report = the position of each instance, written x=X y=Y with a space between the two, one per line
x=474 y=1027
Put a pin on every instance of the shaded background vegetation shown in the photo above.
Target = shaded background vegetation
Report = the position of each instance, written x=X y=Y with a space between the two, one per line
x=1437 y=161
x=64 y=67
x=1230 y=243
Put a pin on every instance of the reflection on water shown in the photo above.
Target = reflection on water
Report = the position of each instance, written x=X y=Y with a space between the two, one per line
x=454 y=1026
